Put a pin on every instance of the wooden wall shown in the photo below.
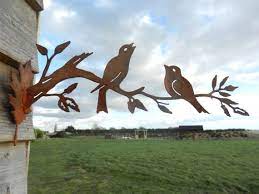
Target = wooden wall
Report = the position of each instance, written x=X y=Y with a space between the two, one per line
x=18 y=36
x=14 y=168
x=18 y=30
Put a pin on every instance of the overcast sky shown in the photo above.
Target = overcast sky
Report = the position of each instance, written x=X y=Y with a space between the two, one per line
x=203 y=38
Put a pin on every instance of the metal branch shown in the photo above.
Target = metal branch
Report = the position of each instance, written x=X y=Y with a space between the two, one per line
x=70 y=71
x=26 y=95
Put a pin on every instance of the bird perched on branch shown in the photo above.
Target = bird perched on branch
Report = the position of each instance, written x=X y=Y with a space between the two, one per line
x=179 y=87
x=115 y=72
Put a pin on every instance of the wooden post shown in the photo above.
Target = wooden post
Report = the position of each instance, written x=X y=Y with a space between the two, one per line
x=136 y=134
x=18 y=36
x=145 y=134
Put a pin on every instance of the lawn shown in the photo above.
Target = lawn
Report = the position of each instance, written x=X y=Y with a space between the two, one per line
x=92 y=165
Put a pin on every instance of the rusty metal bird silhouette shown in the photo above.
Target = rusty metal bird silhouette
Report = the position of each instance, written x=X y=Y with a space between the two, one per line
x=24 y=94
x=115 y=72
x=178 y=86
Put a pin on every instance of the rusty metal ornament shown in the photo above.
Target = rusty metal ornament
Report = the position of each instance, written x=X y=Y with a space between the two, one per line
x=178 y=86
x=25 y=94
x=115 y=72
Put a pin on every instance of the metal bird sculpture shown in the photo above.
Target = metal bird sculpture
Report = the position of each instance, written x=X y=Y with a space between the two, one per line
x=24 y=94
x=115 y=72
x=179 y=87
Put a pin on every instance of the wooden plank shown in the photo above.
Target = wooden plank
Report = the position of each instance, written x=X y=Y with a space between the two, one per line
x=18 y=31
x=18 y=36
x=36 y=5
x=7 y=127
x=14 y=167
x=9 y=61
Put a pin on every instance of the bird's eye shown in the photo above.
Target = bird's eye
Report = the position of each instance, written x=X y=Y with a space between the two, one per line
x=125 y=49
x=174 y=70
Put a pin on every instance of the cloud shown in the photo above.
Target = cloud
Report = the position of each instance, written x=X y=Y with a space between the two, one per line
x=63 y=14
x=203 y=38
x=47 y=4
x=103 y=3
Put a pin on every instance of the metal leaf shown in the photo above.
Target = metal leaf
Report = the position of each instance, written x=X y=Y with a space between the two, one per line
x=225 y=110
x=15 y=84
x=13 y=101
x=20 y=100
x=223 y=82
x=241 y=111
x=60 y=48
x=72 y=104
x=228 y=101
x=26 y=74
x=70 y=89
x=131 y=106
x=164 y=109
x=230 y=88
x=214 y=82
x=63 y=104
x=42 y=49
x=224 y=94
x=139 y=104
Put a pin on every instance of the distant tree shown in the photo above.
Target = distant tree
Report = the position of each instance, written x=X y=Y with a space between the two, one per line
x=97 y=127
x=142 y=128
x=38 y=133
x=70 y=129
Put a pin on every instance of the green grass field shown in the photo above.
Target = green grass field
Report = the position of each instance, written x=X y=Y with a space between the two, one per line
x=90 y=165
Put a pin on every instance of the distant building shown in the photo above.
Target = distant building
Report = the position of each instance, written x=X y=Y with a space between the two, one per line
x=196 y=128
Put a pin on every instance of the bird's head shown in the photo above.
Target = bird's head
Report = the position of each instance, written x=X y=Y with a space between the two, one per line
x=172 y=71
x=127 y=50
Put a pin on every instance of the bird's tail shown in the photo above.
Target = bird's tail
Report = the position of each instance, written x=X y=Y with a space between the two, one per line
x=98 y=87
x=102 y=106
x=198 y=106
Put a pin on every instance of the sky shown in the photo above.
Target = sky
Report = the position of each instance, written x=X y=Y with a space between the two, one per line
x=204 y=38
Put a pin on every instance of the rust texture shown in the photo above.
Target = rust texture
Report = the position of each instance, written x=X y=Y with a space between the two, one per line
x=178 y=87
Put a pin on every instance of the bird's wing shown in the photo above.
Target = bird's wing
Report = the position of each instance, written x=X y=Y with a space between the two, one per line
x=111 y=74
x=114 y=72
x=111 y=71
x=183 y=88
x=187 y=87
x=176 y=85
x=188 y=94
x=117 y=77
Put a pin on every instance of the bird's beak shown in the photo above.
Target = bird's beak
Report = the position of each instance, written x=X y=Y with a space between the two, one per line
x=132 y=45
x=166 y=66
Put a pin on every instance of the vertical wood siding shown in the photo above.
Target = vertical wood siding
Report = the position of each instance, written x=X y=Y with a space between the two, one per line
x=18 y=36
x=18 y=31
x=14 y=168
